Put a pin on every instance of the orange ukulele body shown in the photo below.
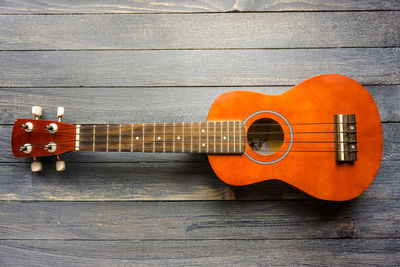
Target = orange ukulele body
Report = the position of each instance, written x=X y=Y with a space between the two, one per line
x=306 y=158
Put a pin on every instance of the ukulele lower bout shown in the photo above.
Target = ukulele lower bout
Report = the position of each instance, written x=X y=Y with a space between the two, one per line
x=323 y=136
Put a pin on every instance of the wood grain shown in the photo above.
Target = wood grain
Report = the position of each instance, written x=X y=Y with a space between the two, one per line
x=155 y=181
x=304 y=219
x=207 y=252
x=201 y=31
x=159 y=104
x=177 y=6
x=149 y=209
x=195 y=67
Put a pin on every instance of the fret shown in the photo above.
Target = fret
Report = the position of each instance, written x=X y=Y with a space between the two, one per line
x=178 y=137
x=203 y=138
x=240 y=138
x=224 y=138
x=207 y=136
x=199 y=138
x=194 y=136
x=86 y=136
x=132 y=137
x=187 y=137
x=119 y=140
x=227 y=127
x=158 y=137
x=214 y=137
x=100 y=137
x=154 y=137
x=148 y=137
x=169 y=137
x=137 y=138
x=113 y=137
x=234 y=138
x=113 y=140
x=173 y=140
x=211 y=137
x=222 y=133
x=164 y=139
x=215 y=140
x=126 y=137
x=191 y=137
x=183 y=137
x=94 y=137
x=143 y=137
x=230 y=137
x=108 y=128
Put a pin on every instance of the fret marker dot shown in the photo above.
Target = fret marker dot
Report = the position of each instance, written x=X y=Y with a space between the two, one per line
x=203 y=131
x=224 y=137
x=178 y=138
x=203 y=144
x=137 y=137
x=159 y=138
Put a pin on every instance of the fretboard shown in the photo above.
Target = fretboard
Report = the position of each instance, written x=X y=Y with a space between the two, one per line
x=219 y=137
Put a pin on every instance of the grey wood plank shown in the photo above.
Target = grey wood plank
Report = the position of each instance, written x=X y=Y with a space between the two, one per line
x=204 y=253
x=201 y=31
x=130 y=182
x=300 y=219
x=174 y=6
x=371 y=66
x=347 y=252
x=156 y=181
x=147 y=104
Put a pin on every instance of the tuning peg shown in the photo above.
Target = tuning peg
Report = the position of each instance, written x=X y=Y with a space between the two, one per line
x=60 y=113
x=36 y=166
x=60 y=164
x=37 y=111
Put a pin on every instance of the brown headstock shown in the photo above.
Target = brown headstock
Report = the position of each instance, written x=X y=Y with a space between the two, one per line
x=37 y=138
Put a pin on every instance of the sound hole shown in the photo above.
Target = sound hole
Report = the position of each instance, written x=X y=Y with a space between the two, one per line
x=265 y=136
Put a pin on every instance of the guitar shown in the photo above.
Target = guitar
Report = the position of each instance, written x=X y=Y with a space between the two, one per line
x=323 y=136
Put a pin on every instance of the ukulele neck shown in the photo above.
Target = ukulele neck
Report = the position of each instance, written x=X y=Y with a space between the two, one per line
x=219 y=137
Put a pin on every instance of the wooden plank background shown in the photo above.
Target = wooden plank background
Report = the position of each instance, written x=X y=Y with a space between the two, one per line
x=127 y=61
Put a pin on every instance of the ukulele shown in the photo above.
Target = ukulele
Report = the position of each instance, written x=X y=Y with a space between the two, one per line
x=323 y=136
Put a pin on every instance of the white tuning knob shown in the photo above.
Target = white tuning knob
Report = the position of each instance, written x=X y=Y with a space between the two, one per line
x=36 y=166
x=37 y=111
x=60 y=113
x=60 y=166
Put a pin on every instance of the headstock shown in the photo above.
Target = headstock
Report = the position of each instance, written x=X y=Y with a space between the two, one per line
x=37 y=138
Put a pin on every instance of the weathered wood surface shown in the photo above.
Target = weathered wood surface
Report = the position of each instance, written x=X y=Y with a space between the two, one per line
x=370 y=66
x=201 y=31
x=125 y=105
x=344 y=252
x=191 y=6
x=307 y=219
x=156 y=181
x=156 y=209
